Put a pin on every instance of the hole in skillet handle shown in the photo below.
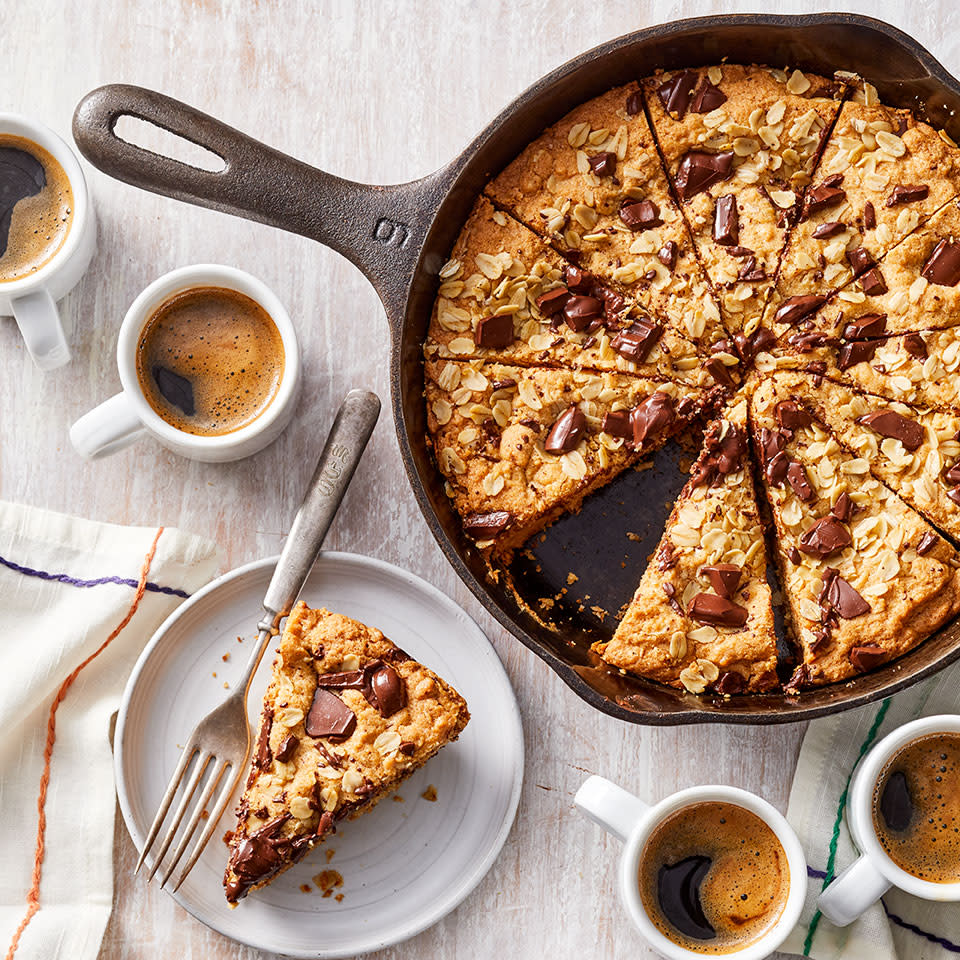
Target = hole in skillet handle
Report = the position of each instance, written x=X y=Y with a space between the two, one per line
x=147 y=135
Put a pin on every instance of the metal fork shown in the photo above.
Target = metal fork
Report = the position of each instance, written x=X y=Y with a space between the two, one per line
x=221 y=740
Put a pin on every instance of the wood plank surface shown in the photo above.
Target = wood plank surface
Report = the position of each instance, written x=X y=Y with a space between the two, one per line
x=380 y=91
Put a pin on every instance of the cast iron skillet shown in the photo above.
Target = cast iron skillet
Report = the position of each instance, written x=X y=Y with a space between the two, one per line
x=399 y=236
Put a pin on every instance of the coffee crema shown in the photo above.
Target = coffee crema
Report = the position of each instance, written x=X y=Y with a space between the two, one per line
x=36 y=207
x=916 y=808
x=209 y=360
x=713 y=877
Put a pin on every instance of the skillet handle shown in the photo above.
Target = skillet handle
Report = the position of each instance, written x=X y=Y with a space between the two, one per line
x=379 y=229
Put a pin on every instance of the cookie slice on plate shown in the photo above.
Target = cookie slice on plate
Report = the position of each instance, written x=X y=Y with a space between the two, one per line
x=701 y=618
x=865 y=578
x=506 y=295
x=519 y=446
x=913 y=451
x=593 y=186
x=740 y=145
x=882 y=175
x=346 y=718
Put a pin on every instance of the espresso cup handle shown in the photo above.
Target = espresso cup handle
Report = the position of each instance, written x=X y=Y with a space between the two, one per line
x=106 y=429
x=39 y=322
x=610 y=806
x=859 y=886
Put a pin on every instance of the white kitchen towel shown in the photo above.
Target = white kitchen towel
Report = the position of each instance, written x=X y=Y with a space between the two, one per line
x=78 y=601
x=899 y=927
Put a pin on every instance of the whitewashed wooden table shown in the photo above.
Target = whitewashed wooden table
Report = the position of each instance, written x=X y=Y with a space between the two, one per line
x=383 y=91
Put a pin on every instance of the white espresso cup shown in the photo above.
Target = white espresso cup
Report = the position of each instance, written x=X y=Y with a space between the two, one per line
x=32 y=300
x=632 y=822
x=874 y=873
x=127 y=416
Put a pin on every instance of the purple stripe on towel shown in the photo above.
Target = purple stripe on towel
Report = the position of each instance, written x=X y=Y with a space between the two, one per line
x=76 y=582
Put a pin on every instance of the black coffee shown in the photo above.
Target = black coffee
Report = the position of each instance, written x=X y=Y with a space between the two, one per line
x=36 y=207
x=713 y=877
x=916 y=808
x=209 y=360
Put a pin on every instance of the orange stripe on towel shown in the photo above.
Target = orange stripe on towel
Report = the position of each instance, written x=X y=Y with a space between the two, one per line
x=33 y=897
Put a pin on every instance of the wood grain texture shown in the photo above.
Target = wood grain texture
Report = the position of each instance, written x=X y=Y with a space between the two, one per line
x=383 y=91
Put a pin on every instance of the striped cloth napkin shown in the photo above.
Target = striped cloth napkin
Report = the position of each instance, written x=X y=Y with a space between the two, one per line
x=899 y=927
x=80 y=600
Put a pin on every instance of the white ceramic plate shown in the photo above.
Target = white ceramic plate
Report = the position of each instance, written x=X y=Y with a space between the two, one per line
x=404 y=865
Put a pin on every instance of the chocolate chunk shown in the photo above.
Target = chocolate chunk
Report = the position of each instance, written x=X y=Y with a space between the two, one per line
x=287 y=748
x=667 y=557
x=860 y=259
x=176 y=390
x=724 y=578
x=634 y=103
x=617 y=424
x=915 y=345
x=726 y=221
x=580 y=312
x=671 y=591
x=485 y=526
x=794 y=309
x=807 y=341
x=724 y=451
x=943 y=265
x=553 y=301
x=839 y=596
x=797 y=478
x=867 y=657
x=384 y=689
x=603 y=164
x=258 y=857
x=751 y=273
x=800 y=677
x=772 y=442
x=667 y=254
x=857 y=352
x=927 y=542
x=730 y=683
x=330 y=717
x=262 y=757
x=907 y=194
x=888 y=423
x=741 y=252
x=953 y=474
x=866 y=327
x=636 y=342
x=613 y=302
x=869 y=216
x=827 y=230
x=843 y=508
x=820 y=198
x=640 y=215
x=676 y=92
x=716 y=610
x=954 y=494
x=707 y=98
x=699 y=170
x=576 y=279
x=793 y=555
x=873 y=283
x=506 y=383
x=652 y=416
x=791 y=416
x=718 y=370
x=825 y=537
x=494 y=332
x=567 y=431
x=408 y=748
x=748 y=347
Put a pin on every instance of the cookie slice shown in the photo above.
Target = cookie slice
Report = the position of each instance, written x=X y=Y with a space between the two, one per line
x=865 y=578
x=918 y=368
x=506 y=295
x=347 y=716
x=701 y=618
x=740 y=145
x=521 y=445
x=593 y=186
x=913 y=451
x=882 y=175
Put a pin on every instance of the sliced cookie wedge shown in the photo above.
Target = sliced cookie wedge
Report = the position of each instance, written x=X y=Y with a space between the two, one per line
x=521 y=445
x=506 y=295
x=346 y=717
x=701 y=618
x=913 y=451
x=882 y=175
x=593 y=186
x=865 y=577
x=740 y=145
